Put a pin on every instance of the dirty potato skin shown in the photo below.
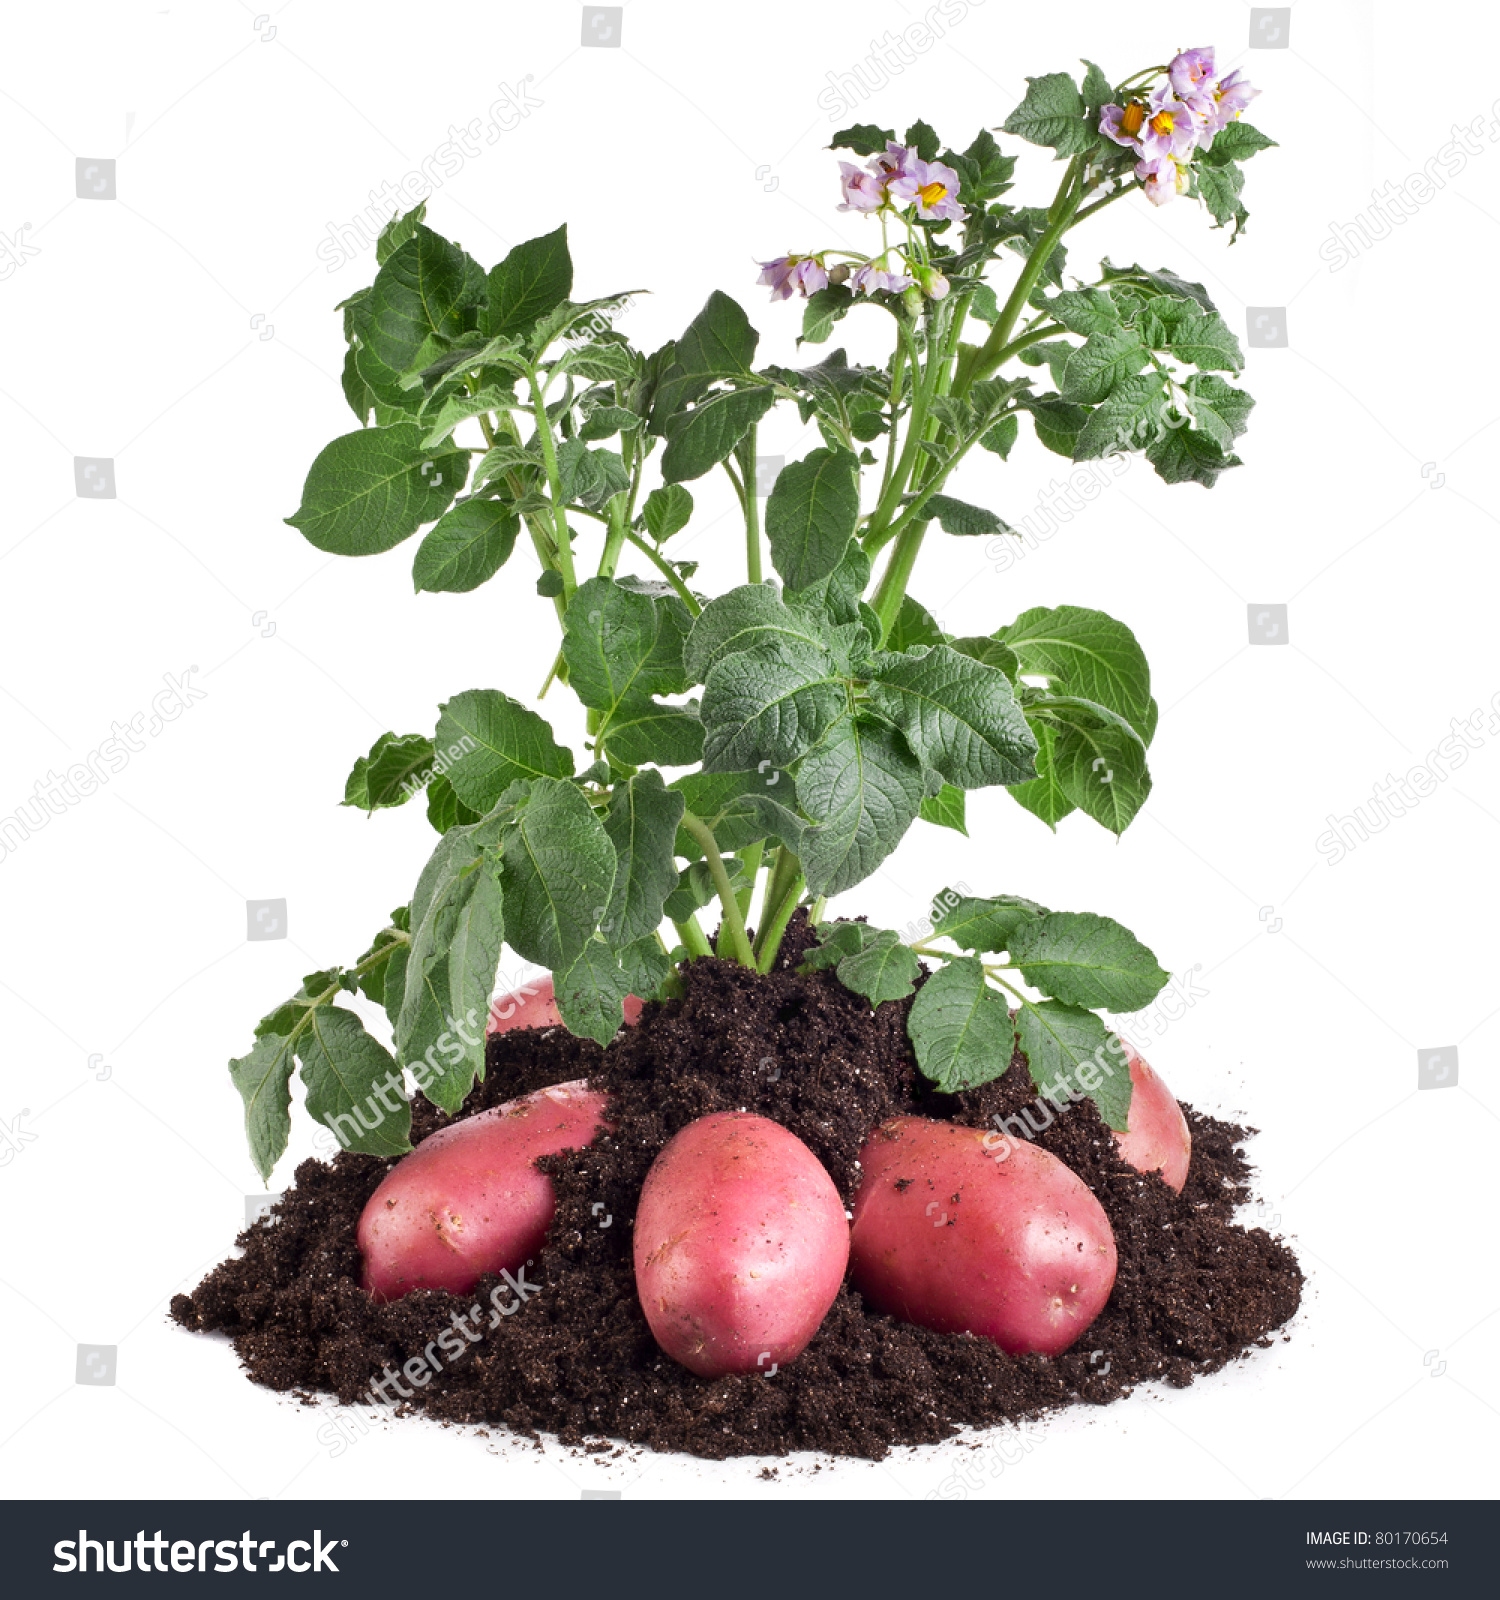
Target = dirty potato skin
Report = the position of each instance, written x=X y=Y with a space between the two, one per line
x=740 y=1245
x=1156 y=1137
x=469 y=1199
x=534 y=1005
x=960 y=1230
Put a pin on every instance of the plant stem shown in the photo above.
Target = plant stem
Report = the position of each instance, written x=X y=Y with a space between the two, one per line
x=770 y=938
x=733 y=920
x=564 y=538
x=667 y=570
x=752 y=858
x=693 y=937
x=750 y=502
x=614 y=540
x=1062 y=211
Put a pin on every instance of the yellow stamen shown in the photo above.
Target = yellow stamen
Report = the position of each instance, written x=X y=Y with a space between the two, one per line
x=1162 y=123
x=931 y=193
x=1131 y=118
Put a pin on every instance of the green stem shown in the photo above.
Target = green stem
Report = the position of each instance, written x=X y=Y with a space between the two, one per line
x=770 y=935
x=614 y=540
x=891 y=590
x=752 y=859
x=750 y=502
x=693 y=937
x=1062 y=212
x=554 y=483
x=667 y=570
x=733 y=921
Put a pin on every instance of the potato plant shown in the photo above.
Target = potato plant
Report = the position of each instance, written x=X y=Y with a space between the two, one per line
x=762 y=749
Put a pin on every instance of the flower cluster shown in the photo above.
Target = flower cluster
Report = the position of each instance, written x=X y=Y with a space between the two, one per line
x=1178 y=116
x=901 y=183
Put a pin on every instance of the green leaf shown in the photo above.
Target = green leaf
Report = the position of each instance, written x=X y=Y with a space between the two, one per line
x=621 y=647
x=840 y=593
x=1217 y=409
x=646 y=730
x=1097 y=89
x=392 y=773
x=991 y=652
x=957 y=516
x=1219 y=187
x=444 y=808
x=357 y=392
x=811 y=515
x=960 y=1027
x=505 y=458
x=263 y=1078
x=473 y=956
x=1098 y=760
x=667 y=511
x=1130 y=419
x=1160 y=282
x=1187 y=333
x=837 y=940
x=718 y=344
x=984 y=173
x=914 y=627
x=466 y=547
x=863 y=788
x=558 y=871
x=397 y=231
x=1100 y=363
x=1086 y=653
x=427 y=286
x=824 y=308
x=369 y=490
x=1190 y=455
x=1052 y=114
x=532 y=280
x=984 y=926
x=642 y=825
x=696 y=888
x=884 y=970
x=864 y=139
x=945 y=809
x=703 y=436
x=1237 y=141
x=959 y=716
x=1058 y=423
x=752 y=615
x=1057 y=1040
x=607 y=359
x=455 y=408
x=1084 y=311
x=344 y=1070
x=1087 y=960
x=1043 y=795
x=591 y=994
x=769 y=704
x=500 y=741
x=731 y=804
x=646 y=968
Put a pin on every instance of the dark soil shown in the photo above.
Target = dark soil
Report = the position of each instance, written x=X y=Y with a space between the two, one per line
x=1193 y=1290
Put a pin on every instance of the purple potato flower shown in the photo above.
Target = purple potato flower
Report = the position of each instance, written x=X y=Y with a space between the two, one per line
x=1164 y=178
x=931 y=187
x=872 y=276
x=1123 y=124
x=805 y=274
x=863 y=190
x=1171 y=127
x=1191 y=73
x=1230 y=97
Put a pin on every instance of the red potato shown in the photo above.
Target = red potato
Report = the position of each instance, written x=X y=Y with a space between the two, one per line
x=945 y=1235
x=534 y=1005
x=469 y=1199
x=1156 y=1136
x=740 y=1245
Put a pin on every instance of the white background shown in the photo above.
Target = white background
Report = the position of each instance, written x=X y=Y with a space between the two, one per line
x=677 y=160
